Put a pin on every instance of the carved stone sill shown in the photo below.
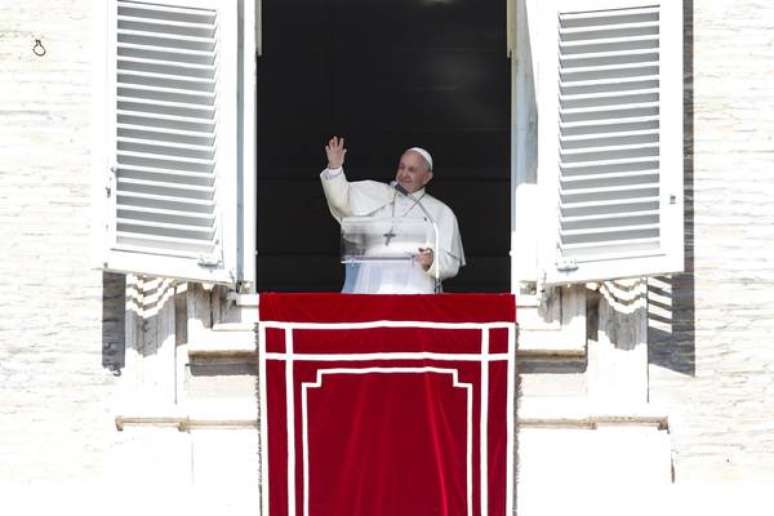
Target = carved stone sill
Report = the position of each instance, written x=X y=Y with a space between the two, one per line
x=223 y=414
x=582 y=414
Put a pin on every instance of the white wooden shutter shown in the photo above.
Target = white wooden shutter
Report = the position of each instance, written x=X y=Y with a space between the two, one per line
x=610 y=139
x=172 y=180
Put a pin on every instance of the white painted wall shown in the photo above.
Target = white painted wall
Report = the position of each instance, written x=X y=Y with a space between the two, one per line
x=54 y=392
x=722 y=419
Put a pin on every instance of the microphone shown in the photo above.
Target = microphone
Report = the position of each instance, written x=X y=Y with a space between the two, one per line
x=398 y=187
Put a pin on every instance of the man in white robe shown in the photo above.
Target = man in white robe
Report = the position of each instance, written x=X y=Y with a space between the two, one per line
x=404 y=198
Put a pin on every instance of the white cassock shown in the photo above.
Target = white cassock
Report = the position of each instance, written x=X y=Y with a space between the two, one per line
x=371 y=198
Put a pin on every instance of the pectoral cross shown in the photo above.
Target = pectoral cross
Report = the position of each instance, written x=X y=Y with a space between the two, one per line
x=389 y=236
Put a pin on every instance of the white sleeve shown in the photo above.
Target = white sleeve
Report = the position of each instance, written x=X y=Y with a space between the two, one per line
x=330 y=173
x=336 y=189
x=450 y=257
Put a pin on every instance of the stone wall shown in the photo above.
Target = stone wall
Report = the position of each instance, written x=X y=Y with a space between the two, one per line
x=54 y=392
x=712 y=365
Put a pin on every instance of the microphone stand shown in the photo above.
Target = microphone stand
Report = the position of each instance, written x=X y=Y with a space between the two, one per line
x=399 y=188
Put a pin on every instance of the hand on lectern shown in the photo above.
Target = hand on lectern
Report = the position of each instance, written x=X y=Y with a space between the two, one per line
x=335 y=151
x=425 y=257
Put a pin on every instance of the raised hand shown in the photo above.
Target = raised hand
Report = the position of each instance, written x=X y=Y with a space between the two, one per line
x=336 y=152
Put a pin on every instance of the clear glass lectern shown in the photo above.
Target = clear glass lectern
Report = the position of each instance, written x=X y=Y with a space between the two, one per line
x=392 y=242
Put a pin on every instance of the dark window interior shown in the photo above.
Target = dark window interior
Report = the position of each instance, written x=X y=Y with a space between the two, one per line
x=386 y=75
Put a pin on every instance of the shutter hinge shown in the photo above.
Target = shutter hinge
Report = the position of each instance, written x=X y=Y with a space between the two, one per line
x=566 y=265
x=110 y=181
x=209 y=261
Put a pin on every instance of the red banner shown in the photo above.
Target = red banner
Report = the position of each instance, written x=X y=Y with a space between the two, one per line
x=387 y=405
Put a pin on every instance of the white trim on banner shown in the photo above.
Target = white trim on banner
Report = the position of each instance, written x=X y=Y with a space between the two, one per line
x=290 y=356
x=391 y=370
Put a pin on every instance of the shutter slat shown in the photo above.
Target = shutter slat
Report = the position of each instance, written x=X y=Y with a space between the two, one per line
x=141 y=104
x=164 y=10
x=164 y=98
x=608 y=54
x=128 y=222
x=603 y=25
x=184 y=175
x=624 y=201
x=610 y=42
x=610 y=83
x=138 y=246
x=142 y=141
x=193 y=82
x=575 y=68
x=139 y=235
x=171 y=38
x=134 y=212
x=570 y=77
x=134 y=79
x=617 y=228
x=609 y=115
x=627 y=133
x=571 y=190
x=163 y=23
x=164 y=157
x=161 y=201
x=606 y=216
x=160 y=184
x=165 y=130
x=610 y=178
x=622 y=102
x=208 y=96
x=609 y=165
x=145 y=240
x=198 y=140
x=593 y=145
x=608 y=155
x=616 y=250
x=178 y=53
x=584 y=17
x=651 y=122
x=173 y=120
x=183 y=65
x=617 y=93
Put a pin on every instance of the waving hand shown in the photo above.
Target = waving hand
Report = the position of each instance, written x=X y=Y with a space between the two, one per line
x=336 y=152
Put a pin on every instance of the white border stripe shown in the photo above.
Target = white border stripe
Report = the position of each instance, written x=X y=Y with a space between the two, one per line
x=291 y=425
x=383 y=324
x=264 y=421
x=419 y=355
x=485 y=358
x=483 y=437
x=390 y=370
x=509 y=421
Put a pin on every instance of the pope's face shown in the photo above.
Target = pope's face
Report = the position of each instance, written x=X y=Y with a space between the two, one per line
x=412 y=172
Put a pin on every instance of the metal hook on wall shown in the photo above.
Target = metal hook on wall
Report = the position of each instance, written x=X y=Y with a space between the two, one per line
x=38 y=49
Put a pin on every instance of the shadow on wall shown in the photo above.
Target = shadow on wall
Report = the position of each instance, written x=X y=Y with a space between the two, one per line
x=139 y=313
x=671 y=301
x=113 y=317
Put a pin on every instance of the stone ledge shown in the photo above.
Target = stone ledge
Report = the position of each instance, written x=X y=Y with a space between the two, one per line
x=183 y=423
x=549 y=352
x=582 y=414
x=221 y=414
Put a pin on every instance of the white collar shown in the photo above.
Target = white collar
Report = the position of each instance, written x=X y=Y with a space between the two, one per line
x=417 y=195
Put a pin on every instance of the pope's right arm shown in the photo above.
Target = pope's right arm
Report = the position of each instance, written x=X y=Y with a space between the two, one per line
x=336 y=188
x=334 y=182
